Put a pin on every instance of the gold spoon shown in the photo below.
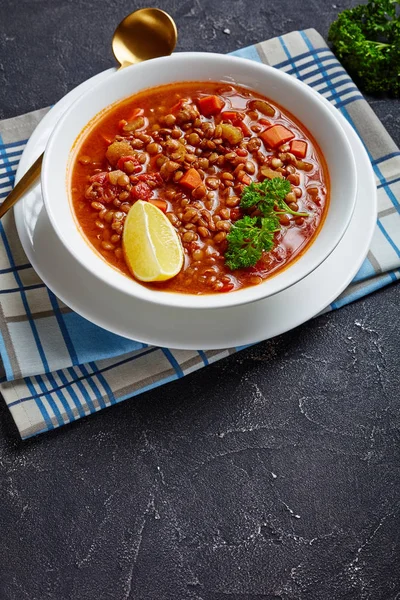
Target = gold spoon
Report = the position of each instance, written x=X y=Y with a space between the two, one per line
x=144 y=34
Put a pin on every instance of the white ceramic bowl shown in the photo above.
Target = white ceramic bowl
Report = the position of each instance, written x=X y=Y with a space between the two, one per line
x=285 y=90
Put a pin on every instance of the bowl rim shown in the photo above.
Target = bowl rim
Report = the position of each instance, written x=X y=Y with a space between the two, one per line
x=174 y=299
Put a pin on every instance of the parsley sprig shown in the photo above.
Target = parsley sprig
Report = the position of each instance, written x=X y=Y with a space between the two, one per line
x=248 y=239
x=268 y=195
x=250 y=236
x=366 y=39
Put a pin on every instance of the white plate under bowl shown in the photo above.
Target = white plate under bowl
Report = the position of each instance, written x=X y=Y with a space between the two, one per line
x=180 y=328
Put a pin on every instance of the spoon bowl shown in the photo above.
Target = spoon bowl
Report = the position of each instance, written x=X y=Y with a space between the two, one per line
x=144 y=34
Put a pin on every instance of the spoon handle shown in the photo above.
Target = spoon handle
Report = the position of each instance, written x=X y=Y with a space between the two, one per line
x=30 y=177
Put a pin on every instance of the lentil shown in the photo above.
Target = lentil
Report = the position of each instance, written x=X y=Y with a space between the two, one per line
x=199 y=192
x=220 y=237
x=153 y=148
x=107 y=246
x=203 y=232
x=189 y=236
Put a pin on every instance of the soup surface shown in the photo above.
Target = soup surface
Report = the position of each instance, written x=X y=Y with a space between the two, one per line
x=242 y=182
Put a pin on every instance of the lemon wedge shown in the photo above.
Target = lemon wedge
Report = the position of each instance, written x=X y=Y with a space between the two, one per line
x=152 y=248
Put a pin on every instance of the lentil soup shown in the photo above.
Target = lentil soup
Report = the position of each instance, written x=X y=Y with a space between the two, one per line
x=194 y=150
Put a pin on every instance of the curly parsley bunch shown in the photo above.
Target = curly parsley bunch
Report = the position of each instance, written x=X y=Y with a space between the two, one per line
x=366 y=39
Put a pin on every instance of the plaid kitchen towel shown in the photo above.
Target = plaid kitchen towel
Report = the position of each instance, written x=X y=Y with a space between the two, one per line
x=59 y=367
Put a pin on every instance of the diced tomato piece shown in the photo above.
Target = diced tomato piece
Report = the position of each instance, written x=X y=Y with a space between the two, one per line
x=161 y=204
x=227 y=287
x=255 y=269
x=154 y=177
x=210 y=105
x=276 y=135
x=122 y=123
x=124 y=159
x=99 y=177
x=298 y=148
x=191 y=179
x=141 y=191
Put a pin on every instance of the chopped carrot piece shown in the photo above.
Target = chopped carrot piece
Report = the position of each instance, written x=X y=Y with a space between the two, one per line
x=230 y=115
x=191 y=179
x=276 y=135
x=161 y=204
x=298 y=148
x=210 y=105
x=242 y=125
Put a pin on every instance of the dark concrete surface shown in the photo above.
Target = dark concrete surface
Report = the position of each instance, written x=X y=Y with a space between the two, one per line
x=273 y=474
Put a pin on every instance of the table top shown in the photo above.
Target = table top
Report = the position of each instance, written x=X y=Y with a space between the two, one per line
x=272 y=474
